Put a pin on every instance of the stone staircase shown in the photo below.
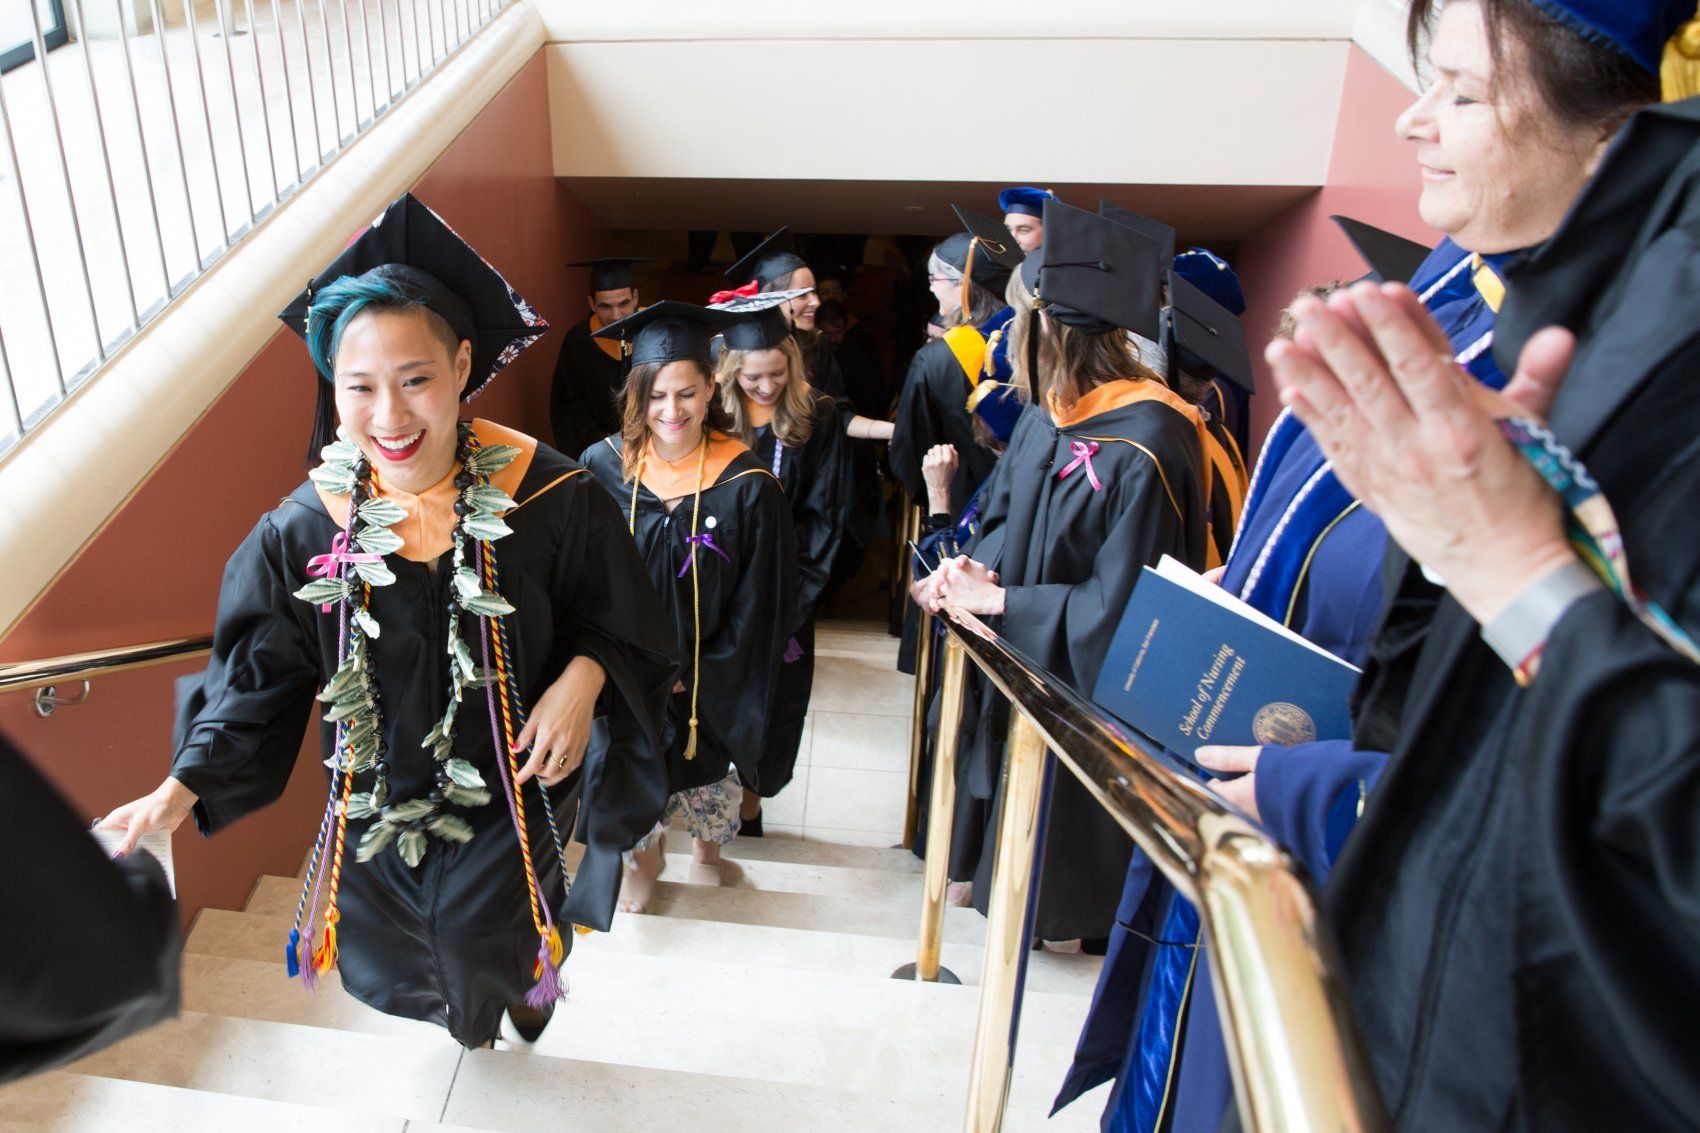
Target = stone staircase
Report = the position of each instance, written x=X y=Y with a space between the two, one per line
x=765 y=1004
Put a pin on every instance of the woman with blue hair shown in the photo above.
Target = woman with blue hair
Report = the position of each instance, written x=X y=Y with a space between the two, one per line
x=460 y=605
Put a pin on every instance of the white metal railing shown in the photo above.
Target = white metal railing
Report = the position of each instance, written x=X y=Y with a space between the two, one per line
x=134 y=159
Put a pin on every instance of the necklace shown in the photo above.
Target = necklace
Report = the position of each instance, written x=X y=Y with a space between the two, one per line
x=353 y=697
x=696 y=590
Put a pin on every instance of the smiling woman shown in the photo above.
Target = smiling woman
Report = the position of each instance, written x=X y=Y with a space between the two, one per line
x=377 y=589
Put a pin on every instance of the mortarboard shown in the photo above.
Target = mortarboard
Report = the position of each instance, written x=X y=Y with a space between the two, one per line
x=991 y=254
x=610 y=273
x=1095 y=274
x=1155 y=229
x=1391 y=259
x=770 y=261
x=1205 y=335
x=1025 y=199
x=761 y=325
x=669 y=331
x=1212 y=275
x=410 y=245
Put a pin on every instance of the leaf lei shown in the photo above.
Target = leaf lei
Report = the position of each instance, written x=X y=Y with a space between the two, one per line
x=352 y=694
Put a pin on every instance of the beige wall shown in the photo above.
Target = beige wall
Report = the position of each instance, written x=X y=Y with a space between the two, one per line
x=1130 y=111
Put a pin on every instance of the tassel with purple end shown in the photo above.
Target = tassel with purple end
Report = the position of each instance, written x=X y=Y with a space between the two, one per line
x=548 y=971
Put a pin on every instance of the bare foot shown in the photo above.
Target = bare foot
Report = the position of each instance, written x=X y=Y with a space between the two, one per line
x=959 y=894
x=637 y=887
x=707 y=866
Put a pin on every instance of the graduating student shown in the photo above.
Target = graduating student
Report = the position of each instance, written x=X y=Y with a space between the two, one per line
x=969 y=272
x=1228 y=398
x=1024 y=215
x=713 y=528
x=461 y=603
x=584 y=394
x=92 y=948
x=793 y=431
x=1107 y=458
x=774 y=265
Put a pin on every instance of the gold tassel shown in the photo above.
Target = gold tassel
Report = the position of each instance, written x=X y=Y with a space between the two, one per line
x=968 y=277
x=1679 y=72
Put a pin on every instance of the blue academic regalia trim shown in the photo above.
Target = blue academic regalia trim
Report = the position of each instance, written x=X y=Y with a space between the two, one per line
x=1285 y=535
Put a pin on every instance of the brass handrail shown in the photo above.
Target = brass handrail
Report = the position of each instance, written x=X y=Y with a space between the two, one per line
x=923 y=678
x=1294 y=1049
x=17 y=676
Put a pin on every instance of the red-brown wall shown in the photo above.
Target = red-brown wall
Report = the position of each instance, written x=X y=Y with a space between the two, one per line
x=1372 y=175
x=154 y=571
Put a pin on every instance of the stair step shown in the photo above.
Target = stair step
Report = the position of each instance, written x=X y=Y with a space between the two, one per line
x=868 y=916
x=511 y=1091
x=784 y=849
x=386 y=1076
x=638 y=983
x=77 y=1103
x=251 y=936
x=776 y=1026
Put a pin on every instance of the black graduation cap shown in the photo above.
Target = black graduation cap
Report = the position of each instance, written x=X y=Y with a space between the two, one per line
x=1095 y=274
x=411 y=245
x=762 y=325
x=670 y=331
x=991 y=239
x=771 y=260
x=1155 y=229
x=1391 y=259
x=610 y=273
x=1204 y=335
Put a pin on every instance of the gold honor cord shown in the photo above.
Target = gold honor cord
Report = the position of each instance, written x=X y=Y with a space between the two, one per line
x=696 y=588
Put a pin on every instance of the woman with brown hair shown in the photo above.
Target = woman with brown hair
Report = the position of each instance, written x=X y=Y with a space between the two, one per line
x=793 y=431
x=714 y=530
x=1104 y=474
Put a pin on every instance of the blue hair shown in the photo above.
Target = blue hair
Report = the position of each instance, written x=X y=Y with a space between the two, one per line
x=337 y=305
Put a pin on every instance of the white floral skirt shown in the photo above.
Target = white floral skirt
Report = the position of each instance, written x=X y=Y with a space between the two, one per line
x=710 y=813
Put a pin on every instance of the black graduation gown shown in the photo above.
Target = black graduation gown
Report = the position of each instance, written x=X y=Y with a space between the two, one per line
x=92 y=945
x=584 y=395
x=450 y=941
x=933 y=410
x=816 y=479
x=747 y=602
x=1069 y=557
x=1516 y=907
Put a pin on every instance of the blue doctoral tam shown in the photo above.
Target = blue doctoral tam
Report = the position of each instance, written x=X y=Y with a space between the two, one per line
x=1025 y=199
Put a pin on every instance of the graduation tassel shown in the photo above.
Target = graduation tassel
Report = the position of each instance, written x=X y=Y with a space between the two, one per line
x=547 y=972
x=292 y=953
x=324 y=956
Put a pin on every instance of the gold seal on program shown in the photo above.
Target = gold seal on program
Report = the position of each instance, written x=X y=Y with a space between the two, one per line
x=1284 y=724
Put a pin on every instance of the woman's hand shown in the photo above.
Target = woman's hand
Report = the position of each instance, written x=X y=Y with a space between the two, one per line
x=1413 y=436
x=925 y=591
x=165 y=809
x=970 y=587
x=938 y=469
x=559 y=727
x=1242 y=761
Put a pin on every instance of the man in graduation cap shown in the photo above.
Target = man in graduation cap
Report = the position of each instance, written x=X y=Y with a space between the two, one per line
x=589 y=370
x=1023 y=209
x=461 y=606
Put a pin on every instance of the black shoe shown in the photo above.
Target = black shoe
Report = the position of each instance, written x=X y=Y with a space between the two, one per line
x=528 y=1021
x=751 y=827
